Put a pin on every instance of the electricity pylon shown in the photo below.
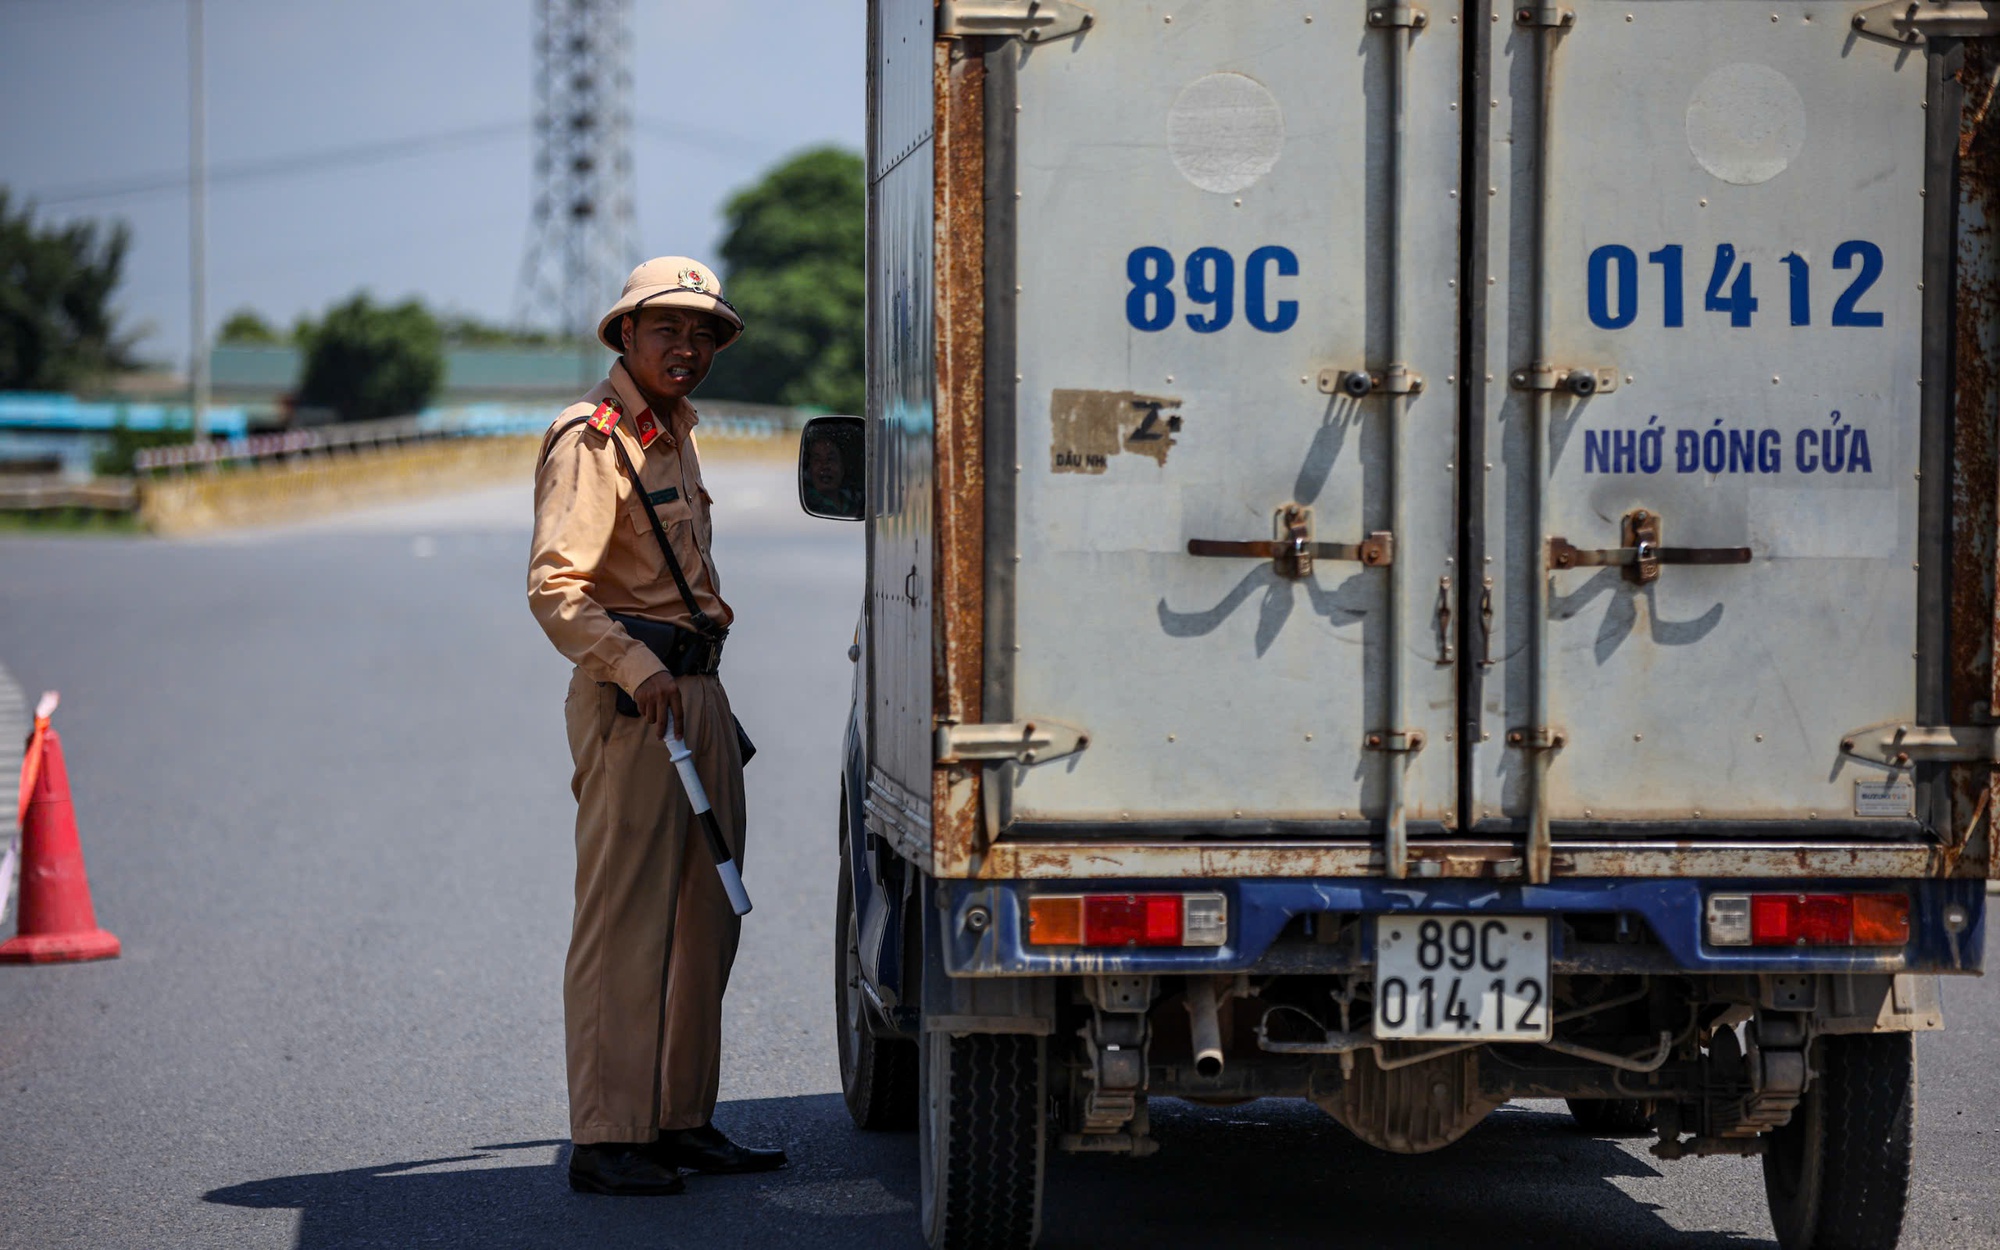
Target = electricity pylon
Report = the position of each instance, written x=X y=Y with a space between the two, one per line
x=583 y=236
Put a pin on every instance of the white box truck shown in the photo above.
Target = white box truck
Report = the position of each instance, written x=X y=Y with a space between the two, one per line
x=1419 y=555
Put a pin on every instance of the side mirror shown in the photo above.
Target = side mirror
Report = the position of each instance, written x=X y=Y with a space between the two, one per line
x=832 y=468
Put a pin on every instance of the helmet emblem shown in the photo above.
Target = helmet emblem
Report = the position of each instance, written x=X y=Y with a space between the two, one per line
x=694 y=279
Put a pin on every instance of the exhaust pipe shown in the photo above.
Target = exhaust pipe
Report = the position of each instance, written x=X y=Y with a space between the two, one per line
x=1204 y=1029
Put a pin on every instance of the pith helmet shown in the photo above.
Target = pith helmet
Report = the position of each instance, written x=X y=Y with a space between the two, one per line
x=672 y=282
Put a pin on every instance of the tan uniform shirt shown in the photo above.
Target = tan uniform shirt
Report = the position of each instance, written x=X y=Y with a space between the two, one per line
x=594 y=551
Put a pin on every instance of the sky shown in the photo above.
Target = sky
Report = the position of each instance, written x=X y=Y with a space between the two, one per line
x=94 y=97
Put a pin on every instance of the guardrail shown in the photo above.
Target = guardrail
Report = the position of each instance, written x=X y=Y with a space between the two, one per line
x=114 y=494
x=313 y=440
x=401 y=431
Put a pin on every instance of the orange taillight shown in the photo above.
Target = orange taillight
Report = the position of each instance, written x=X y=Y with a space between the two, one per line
x=1055 y=921
x=1881 y=919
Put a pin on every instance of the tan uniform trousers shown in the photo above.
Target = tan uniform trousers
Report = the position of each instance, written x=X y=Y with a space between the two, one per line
x=654 y=935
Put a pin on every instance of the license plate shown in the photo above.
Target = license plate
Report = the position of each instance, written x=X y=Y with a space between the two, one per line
x=1462 y=978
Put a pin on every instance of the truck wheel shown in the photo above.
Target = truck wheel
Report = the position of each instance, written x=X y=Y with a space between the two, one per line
x=1613 y=1117
x=982 y=1136
x=1838 y=1175
x=878 y=1075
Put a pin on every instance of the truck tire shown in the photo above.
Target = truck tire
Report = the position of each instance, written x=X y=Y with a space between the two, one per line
x=982 y=1138
x=878 y=1075
x=1838 y=1175
x=1613 y=1117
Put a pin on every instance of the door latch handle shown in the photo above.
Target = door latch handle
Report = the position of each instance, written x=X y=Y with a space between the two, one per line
x=1486 y=624
x=1293 y=550
x=1642 y=555
x=1445 y=651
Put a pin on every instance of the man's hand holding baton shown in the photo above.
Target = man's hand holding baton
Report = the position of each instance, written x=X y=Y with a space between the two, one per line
x=725 y=863
x=659 y=700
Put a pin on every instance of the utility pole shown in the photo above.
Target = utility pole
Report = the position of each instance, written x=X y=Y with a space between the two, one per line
x=583 y=236
x=197 y=231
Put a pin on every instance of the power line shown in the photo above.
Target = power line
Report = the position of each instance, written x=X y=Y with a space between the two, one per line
x=281 y=166
x=717 y=141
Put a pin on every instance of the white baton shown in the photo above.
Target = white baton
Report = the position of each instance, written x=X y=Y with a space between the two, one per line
x=725 y=863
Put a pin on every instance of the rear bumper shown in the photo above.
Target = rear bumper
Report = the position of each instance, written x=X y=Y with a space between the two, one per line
x=1261 y=910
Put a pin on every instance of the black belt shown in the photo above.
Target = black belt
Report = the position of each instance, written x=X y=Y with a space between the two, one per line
x=684 y=652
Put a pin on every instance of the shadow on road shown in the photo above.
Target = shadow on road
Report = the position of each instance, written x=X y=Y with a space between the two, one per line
x=844 y=1188
x=1269 y=1173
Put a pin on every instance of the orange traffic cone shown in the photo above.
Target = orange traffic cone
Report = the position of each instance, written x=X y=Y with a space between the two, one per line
x=57 y=922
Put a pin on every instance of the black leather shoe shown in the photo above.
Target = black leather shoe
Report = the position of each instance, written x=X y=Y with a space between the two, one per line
x=622 y=1171
x=705 y=1149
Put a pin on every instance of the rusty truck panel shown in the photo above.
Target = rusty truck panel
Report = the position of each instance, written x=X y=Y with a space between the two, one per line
x=1781 y=802
x=1974 y=611
x=1457 y=860
x=959 y=554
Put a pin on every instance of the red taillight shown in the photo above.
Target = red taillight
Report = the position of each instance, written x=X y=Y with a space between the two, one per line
x=1774 y=919
x=1128 y=920
x=1132 y=920
x=1801 y=919
x=1827 y=920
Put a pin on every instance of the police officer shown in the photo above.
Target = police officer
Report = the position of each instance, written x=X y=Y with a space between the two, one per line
x=621 y=580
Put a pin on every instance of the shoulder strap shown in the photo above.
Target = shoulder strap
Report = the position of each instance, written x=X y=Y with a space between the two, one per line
x=549 y=443
x=703 y=625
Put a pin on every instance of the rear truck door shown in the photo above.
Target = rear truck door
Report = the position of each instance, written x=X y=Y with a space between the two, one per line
x=1709 y=436
x=1223 y=239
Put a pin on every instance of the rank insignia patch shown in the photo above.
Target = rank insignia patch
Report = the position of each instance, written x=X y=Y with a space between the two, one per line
x=648 y=428
x=605 y=419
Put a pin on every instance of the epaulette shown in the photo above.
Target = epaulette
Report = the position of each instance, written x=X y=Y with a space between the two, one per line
x=609 y=413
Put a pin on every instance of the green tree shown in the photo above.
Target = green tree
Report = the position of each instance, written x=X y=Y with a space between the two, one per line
x=795 y=259
x=366 y=361
x=465 y=330
x=245 y=328
x=57 y=328
x=114 y=459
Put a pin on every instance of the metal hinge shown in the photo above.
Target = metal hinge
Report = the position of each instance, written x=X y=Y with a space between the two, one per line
x=1356 y=383
x=1900 y=744
x=1583 y=381
x=1913 y=21
x=1030 y=20
x=1399 y=741
x=1024 y=742
x=1394 y=15
x=1544 y=15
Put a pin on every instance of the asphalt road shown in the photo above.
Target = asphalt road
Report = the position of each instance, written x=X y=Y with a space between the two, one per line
x=323 y=789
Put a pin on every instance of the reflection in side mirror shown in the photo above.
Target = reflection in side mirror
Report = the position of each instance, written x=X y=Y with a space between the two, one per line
x=831 y=460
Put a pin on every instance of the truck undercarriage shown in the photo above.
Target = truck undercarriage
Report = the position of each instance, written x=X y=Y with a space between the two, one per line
x=1000 y=1054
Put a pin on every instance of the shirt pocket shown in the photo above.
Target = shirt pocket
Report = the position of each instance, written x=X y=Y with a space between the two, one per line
x=704 y=520
x=677 y=518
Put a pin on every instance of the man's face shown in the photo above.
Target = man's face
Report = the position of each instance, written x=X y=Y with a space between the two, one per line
x=825 y=468
x=668 y=351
